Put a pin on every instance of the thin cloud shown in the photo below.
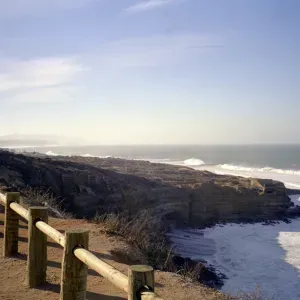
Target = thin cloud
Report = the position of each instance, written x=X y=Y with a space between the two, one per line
x=45 y=77
x=148 y=5
x=16 y=8
x=46 y=95
x=158 y=50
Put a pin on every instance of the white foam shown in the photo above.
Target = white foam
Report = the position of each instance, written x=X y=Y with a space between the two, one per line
x=295 y=199
x=51 y=153
x=291 y=178
x=194 y=162
x=249 y=255
x=292 y=185
x=264 y=169
x=87 y=155
x=94 y=156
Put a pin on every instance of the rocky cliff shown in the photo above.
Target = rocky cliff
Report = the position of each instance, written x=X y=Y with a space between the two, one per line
x=175 y=194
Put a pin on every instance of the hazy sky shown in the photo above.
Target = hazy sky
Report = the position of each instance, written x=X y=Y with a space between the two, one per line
x=152 y=71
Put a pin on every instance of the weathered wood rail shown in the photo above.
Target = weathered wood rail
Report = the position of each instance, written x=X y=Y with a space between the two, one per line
x=139 y=284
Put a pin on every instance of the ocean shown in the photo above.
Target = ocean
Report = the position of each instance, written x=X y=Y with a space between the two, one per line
x=278 y=162
x=250 y=255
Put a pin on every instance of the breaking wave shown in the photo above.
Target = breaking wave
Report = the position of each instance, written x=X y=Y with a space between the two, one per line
x=51 y=153
x=290 y=177
x=264 y=169
x=293 y=185
x=194 y=162
x=95 y=156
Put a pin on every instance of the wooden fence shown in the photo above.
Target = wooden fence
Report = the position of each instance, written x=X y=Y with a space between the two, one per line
x=139 y=284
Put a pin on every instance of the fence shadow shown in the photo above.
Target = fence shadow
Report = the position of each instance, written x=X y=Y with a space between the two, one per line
x=54 y=264
x=96 y=296
x=102 y=255
x=21 y=256
x=23 y=226
x=72 y=240
x=49 y=244
x=54 y=287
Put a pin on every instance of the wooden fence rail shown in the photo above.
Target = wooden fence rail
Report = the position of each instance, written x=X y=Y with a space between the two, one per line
x=139 y=284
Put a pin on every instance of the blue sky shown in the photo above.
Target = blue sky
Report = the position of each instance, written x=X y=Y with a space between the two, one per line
x=151 y=71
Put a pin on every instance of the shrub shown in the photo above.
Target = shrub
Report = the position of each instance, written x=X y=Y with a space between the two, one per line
x=192 y=272
x=145 y=233
x=36 y=197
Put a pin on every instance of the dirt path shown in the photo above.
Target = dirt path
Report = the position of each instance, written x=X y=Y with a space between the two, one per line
x=13 y=270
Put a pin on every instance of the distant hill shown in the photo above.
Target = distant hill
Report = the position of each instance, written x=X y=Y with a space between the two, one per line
x=19 y=140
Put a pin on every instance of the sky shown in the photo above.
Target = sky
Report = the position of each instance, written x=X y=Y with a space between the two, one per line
x=151 y=71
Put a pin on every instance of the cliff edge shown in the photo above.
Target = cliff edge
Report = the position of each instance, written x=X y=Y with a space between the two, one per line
x=177 y=195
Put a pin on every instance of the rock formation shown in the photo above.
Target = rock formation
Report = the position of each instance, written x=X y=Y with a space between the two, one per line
x=178 y=195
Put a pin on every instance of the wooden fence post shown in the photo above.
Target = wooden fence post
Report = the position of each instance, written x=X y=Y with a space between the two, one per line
x=139 y=277
x=37 y=248
x=11 y=226
x=74 y=272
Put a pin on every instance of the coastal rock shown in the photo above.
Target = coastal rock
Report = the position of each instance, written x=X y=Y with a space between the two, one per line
x=178 y=196
x=198 y=270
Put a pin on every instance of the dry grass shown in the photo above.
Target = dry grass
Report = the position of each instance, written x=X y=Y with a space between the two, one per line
x=35 y=197
x=192 y=272
x=142 y=231
x=128 y=256
x=257 y=294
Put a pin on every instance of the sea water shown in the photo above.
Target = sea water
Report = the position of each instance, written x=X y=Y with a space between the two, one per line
x=252 y=256
x=249 y=255
x=279 y=161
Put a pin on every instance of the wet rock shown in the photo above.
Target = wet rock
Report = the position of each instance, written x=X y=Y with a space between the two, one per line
x=178 y=261
x=198 y=270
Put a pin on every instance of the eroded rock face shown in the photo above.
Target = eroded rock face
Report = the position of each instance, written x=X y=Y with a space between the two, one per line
x=174 y=194
x=204 y=197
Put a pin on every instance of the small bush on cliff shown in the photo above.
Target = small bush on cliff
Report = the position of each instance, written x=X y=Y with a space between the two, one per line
x=36 y=197
x=143 y=231
x=192 y=272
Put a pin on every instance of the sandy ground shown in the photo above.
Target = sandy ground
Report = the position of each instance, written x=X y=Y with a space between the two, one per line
x=13 y=270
